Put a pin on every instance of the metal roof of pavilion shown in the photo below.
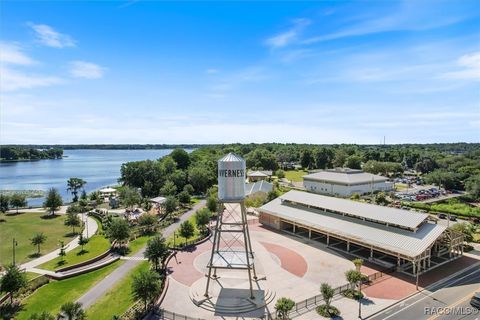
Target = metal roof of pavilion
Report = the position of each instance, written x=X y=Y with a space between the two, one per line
x=259 y=186
x=404 y=242
x=385 y=215
x=345 y=176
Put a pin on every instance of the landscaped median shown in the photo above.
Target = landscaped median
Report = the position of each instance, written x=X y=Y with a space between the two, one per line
x=96 y=246
x=51 y=296
x=118 y=299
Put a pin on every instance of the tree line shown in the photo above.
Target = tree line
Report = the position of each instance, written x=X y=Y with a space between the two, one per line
x=29 y=153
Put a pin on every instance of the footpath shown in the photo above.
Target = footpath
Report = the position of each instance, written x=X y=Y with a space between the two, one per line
x=88 y=231
x=109 y=281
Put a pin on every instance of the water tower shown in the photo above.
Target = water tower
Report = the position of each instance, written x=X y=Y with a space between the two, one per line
x=232 y=249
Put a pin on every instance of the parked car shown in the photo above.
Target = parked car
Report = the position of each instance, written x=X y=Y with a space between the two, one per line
x=442 y=216
x=452 y=218
x=475 y=301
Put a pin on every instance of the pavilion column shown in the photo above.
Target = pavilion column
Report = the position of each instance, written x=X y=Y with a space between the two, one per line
x=429 y=261
x=294 y=228
x=348 y=246
x=328 y=239
x=371 y=253
x=414 y=267
x=309 y=233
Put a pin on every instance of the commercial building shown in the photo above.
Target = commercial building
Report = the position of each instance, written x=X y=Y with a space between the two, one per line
x=398 y=238
x=253 y=176
x=345 y=182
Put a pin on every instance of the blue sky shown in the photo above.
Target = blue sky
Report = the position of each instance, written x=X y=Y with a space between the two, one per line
x=220 y=72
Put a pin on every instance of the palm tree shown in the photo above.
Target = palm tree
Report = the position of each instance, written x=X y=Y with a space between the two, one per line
x=327 y=294
x=146 y=285
x=45 y=315
x=37 y=240
x=73 y=311
x=283 y=307
x=75 y=184
x=82 y=241
x=358 y=263
x=353 y=277
x=156 y=251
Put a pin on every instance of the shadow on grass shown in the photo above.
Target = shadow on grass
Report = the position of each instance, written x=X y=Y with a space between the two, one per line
x=49 y=216
x=82 y=252
x=123 y=251
x=34 y=255
x=61 y=263
x=71 y=234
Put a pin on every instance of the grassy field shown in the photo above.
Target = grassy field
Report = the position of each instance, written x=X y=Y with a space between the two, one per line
x=181 y=240
x=118 y=299
x=53 y=295
x=137 y=244
x=295 y=175
x=23 y=227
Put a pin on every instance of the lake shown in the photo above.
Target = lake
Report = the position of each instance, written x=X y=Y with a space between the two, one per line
x=99 y=168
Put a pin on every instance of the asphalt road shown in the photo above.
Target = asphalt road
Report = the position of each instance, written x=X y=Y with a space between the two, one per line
x=109 y=281
x=446 y=298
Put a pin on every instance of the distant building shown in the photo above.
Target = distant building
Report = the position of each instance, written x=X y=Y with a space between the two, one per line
x=345 y=182
x=253 y=176
x=258 y=187
x=159 y=203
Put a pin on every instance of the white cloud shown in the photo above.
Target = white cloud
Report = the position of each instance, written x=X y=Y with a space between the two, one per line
x=409 y=16
x=13 y=54
x=12 y=77
x=470 y=68
x=88 y=70
x=287 y=37
x=211 y=71
x=11 y=80
x=48 y=36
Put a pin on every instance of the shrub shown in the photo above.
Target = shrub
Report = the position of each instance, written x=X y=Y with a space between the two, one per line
x=328 y=311
x=352 y=294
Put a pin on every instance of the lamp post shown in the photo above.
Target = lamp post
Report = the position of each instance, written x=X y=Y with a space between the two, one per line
x=14 y=244
x=360 y=301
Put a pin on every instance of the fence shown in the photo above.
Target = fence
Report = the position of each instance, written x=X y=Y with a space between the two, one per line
x=304 y=305
x=165 y=314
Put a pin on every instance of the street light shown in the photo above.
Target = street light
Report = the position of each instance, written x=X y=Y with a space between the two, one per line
x=360 y=301
x=14 y=244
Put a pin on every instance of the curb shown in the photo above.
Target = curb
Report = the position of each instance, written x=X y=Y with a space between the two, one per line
x=427 y=288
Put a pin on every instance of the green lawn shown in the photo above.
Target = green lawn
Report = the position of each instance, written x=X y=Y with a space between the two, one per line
x=181 y=240
x=295 y=175
x=23 y=227
x=138 y=244
x=118 y=299
x=53 y=295
x=95 y=246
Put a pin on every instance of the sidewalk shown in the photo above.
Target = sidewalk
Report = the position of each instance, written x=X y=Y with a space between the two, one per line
x=109 y=281
x=30 y=266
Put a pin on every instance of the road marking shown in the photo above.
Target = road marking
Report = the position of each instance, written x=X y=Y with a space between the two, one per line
x=430 y=296
x=454 y=304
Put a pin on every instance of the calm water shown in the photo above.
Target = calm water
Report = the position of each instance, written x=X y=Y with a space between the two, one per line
x=99 y=168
